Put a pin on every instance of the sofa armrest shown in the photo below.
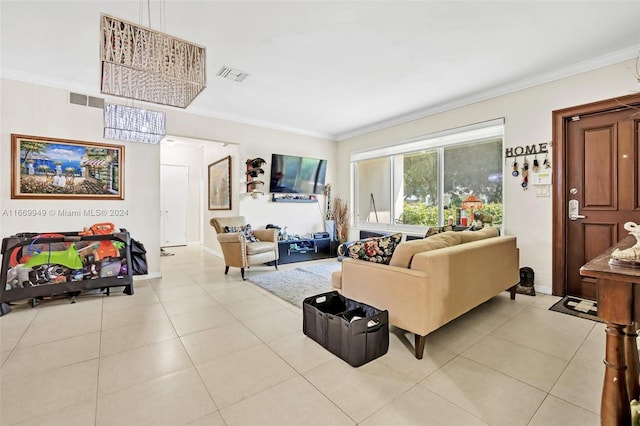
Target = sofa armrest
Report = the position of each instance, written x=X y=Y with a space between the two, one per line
x=234 y=248
x=266 y=234
x=231 y=237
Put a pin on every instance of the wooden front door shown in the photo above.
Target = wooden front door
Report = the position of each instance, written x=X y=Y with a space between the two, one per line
x=596 y=156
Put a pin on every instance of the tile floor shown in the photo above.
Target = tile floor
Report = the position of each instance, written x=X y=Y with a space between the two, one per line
x=196 y=347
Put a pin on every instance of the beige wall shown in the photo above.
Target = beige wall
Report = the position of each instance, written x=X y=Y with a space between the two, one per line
x=43 y=111
x=40 y=111
x=527 y=116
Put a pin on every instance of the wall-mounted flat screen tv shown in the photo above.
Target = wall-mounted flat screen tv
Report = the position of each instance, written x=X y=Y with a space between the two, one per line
x=297 y=175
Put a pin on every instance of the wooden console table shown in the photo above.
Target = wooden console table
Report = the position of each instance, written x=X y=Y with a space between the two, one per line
x=618 y=297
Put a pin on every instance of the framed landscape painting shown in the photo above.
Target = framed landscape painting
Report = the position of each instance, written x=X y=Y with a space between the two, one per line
x=220 y=184
x=65 y=169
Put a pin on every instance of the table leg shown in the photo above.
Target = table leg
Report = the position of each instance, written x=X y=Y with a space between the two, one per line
x=614 y=406
x=632 y=361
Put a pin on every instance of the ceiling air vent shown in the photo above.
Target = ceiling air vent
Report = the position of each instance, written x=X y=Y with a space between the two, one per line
x=231 y=74
x=84 y=100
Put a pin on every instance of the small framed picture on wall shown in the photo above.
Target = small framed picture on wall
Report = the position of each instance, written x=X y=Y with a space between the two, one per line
x=220 y=184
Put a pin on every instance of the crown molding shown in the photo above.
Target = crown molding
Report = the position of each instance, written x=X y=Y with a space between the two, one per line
x=258 y=123
x=558 y=74
x=38 y=79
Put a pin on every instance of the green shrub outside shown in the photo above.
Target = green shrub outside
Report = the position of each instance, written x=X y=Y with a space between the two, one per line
x=422 y=215
x=495 y=210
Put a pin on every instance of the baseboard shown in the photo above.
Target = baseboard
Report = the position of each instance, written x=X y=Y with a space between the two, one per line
x=543 y=290
x=213 y=252
x=150 y=276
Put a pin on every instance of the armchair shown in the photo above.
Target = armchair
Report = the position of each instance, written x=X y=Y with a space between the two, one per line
x=240 y=253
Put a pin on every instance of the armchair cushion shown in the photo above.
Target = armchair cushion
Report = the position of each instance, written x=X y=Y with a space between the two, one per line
x=259 y=247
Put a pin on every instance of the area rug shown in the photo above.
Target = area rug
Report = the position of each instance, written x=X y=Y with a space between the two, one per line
x=295 y=285
x=577 y=307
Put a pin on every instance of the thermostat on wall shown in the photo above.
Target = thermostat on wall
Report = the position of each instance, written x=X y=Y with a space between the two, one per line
x=541 y=178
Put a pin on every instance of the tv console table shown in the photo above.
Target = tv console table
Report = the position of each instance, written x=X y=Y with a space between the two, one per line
x=302 y=250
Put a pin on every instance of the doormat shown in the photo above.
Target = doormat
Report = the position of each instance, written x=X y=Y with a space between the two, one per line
x=577 y=307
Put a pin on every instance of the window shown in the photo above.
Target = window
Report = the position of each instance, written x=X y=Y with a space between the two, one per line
x=424 y=182
x=374 y=196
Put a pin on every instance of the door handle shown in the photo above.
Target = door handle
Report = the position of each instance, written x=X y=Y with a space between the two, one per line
x=573 y=210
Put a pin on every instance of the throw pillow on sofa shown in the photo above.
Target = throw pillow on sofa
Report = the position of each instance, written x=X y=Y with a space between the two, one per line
x=343 y=249
x=246 y=230
x=376 y=249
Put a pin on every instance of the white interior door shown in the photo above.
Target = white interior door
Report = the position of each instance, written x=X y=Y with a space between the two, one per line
x=174 y=192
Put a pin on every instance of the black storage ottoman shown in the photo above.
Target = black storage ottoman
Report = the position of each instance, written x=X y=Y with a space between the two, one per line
x=354 y=331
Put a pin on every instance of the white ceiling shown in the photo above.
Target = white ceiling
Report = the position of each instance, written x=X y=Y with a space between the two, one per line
x=333 y=69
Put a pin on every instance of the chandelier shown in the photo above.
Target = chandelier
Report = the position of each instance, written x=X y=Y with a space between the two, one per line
x=133 y=124
x=147 y=65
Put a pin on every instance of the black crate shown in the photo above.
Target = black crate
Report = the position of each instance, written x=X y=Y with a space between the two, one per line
x=328 y=319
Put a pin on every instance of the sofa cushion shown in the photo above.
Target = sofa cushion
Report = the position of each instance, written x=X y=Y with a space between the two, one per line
x=487 y=232
x=246 y=230
x=434 y=230
x=376 y=249
x=404 y=252
x=451 y=238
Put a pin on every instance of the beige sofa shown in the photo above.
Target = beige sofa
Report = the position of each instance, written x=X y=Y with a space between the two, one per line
x=432 y=281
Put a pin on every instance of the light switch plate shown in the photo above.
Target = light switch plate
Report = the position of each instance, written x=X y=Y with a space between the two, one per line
x=542 y=191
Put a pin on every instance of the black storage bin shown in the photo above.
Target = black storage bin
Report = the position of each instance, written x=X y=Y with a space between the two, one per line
x=328 y=319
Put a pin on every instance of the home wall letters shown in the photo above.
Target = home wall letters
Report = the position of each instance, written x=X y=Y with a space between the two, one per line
x=522 y=170
x=518 y=151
